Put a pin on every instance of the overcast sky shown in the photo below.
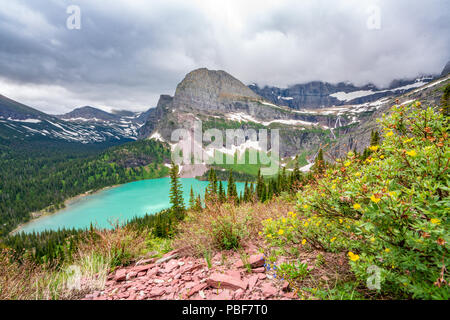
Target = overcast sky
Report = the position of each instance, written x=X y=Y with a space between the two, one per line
x=128 y=52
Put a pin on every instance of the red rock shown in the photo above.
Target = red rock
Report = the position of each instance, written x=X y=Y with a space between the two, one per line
x=290 y=295
x=142 y=273
x=156 y=292
x=121 y=275
x=252 y=281
x=218 y=280
x=171 y=253
x=196 y=289
x=170 y=267
x=124 y=295
x=142 y=268
x=191 y=268
x=152 y=272
x=186 y=278
x=239 y=294
x=146 y=261
x=268 y=290
x=262 y=276
x=234 y=273
x=255 y=261
x=131 y=275
x=259 y=270
x=285 y=287
x=224 y=295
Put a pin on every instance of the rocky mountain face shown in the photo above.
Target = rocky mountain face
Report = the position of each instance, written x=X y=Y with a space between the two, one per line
x=311 y=116
x=221 y=101
x=89 y=114
x=317 y=94
x=125 y=123
x=359 y=137
x=19 y=122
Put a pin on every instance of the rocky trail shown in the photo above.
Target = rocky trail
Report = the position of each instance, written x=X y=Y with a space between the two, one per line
x=176 y=277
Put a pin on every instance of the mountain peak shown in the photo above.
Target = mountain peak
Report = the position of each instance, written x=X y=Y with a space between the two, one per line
x=88 y=112
x=203 y=87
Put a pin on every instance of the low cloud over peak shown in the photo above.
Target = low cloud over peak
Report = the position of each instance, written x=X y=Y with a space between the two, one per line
x=127 y=53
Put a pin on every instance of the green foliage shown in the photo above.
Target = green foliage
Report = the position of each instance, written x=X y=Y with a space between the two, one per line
x=293 y=271
x=226 y=233
x=445 y=100
x=389 y=210
x=176 y=193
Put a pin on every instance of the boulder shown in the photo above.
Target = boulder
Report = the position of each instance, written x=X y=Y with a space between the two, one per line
x=121 y=275
x=218 y=280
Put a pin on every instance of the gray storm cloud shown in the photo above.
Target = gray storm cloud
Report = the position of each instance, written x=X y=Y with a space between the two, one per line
x=127 y=53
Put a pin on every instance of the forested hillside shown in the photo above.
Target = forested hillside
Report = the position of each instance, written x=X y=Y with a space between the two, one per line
x=42 y=176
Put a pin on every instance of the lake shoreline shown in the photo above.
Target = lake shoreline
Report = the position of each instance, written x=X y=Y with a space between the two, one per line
x=69 y=201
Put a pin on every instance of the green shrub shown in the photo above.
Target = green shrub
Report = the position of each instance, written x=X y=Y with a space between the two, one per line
x=389 y=210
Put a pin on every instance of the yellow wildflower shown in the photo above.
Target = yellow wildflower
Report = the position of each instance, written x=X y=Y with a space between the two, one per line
x=408 y=140
x=303 y=241
x=358 y=174
x=411 y=153
x=387 y=249
x=283 y=220
x=305 y=206
x=372 y=239
x=269 y=235
x=340 y=220
x=389 y=134
x=373 y=148
x=435 y=221
x=280 y=232
x=375 y=199
x=353 y=257
x=332 y=239
x=306 y=224
x=356 y=206
x=381 y=157
x=347 y=163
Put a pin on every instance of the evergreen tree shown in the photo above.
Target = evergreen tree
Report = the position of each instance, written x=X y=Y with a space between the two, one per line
x=222 y=195
x=198 y=204
x=374 y=138
x=176 y=193
x=192 y=199
x=231 y=191
x=319 y=165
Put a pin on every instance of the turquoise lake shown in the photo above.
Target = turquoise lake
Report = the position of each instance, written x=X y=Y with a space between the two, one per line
x=117 y=204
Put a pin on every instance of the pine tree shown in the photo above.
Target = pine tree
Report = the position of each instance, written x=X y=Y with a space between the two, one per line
x=176 y=193
x=296 y=171
x=222 y=195
x=192 y=199
x=231 y=192
x=198 y=204
x=319 y=165
x=212 y=187
x=374 y=138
